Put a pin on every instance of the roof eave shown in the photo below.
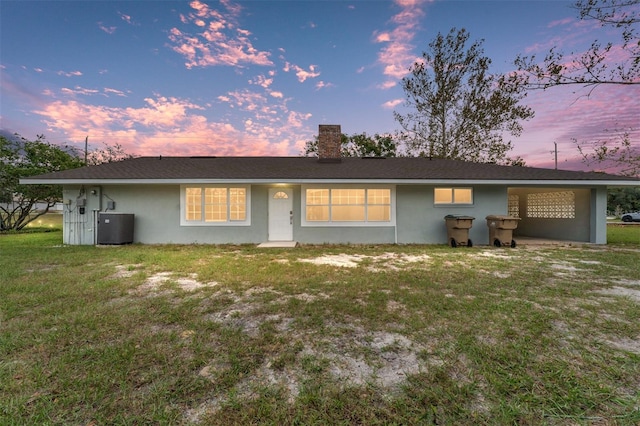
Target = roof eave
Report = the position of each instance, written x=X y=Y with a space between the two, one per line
x=511 y=182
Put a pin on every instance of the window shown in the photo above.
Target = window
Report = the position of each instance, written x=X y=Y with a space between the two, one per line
x=347 y=206
x=213 y=205
x=453 y=195
x=552 y=205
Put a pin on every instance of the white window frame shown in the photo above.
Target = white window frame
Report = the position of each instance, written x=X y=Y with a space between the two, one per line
x=202 y=222
x=453 y=199
x=392 y=214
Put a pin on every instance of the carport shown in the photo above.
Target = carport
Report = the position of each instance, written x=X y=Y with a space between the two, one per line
x=567 y=214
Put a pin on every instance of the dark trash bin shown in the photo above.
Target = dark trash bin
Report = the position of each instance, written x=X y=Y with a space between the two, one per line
x=501 y=230
x=458 y=230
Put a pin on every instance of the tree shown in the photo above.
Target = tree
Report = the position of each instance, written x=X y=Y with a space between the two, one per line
x=619 y=154
x=623 y=200
x=458 y=109
x=21 y=204
x=359 y=145
x=21 y=158
x=107 y=154
x=600 y=64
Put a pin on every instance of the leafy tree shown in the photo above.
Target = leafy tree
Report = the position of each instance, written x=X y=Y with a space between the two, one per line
x=600 y=64
x=457 y=108
x=21 y=204
x=359 y=145
x=623 y=200
x=22 y=158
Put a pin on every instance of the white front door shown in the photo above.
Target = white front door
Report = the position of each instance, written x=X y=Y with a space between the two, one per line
x=280 y=214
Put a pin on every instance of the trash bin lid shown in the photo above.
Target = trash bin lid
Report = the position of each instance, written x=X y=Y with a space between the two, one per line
x=459 y=216
x=501 y=217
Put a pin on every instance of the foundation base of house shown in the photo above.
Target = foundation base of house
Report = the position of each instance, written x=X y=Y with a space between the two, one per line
x=533 y=241
x=278 y=244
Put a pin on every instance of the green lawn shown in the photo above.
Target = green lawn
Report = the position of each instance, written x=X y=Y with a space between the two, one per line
x=318 y=335
x=623 y=234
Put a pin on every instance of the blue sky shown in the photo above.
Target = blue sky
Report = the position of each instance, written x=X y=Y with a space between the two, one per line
x=257 y=77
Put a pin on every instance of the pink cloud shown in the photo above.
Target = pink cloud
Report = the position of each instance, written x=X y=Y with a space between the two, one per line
x=397 y=55
x=297 y=119
x=387 y=85
x=218 y=40
x=116 y=92
x=245 y=100
x=567 y=33
x=383 y=38
x=173 y=126
x=324 y=85
x=560 y=22
x=70 y=74
x=125 y=18
x=262 y=80
x=79 y=91
x=392 y=104
x=301 y=73
x=108 y=30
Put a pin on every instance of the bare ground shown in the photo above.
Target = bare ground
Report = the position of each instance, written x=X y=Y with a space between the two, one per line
x=354 y=355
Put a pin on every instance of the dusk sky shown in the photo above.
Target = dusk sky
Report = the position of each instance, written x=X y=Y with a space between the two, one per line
x=253 y=78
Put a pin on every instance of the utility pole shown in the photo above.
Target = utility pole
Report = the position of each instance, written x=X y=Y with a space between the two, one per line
x=556 y=153
x=86 y=148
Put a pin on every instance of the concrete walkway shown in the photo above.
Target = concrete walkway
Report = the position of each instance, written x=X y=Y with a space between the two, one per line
x=278 y=244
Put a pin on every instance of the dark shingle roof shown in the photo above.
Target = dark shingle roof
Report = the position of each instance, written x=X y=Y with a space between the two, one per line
x=309 y=168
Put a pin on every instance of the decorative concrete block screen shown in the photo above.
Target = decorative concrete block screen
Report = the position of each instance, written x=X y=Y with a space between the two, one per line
x=552 y=205
x=514 y=206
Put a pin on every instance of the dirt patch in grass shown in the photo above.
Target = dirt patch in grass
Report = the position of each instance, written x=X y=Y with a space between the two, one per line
x=382 y=360
x=629 y=345
x=631 y=293
x=155 y=282
x=382 y=262
x=125 y=271
x=348 y=354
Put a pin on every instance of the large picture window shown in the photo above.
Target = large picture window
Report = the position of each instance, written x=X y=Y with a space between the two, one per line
x=347 y=206
x=214 y=205
x=453 y=196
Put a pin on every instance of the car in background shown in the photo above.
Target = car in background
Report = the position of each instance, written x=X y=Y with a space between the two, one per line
x=631 y=217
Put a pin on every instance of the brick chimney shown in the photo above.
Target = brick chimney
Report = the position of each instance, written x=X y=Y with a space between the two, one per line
x=329 y=143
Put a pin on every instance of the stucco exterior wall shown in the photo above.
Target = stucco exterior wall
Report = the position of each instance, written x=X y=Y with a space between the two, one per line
x=420 y=221
x=157 y=217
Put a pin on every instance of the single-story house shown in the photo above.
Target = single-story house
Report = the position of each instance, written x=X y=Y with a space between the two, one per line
x=326 y=199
